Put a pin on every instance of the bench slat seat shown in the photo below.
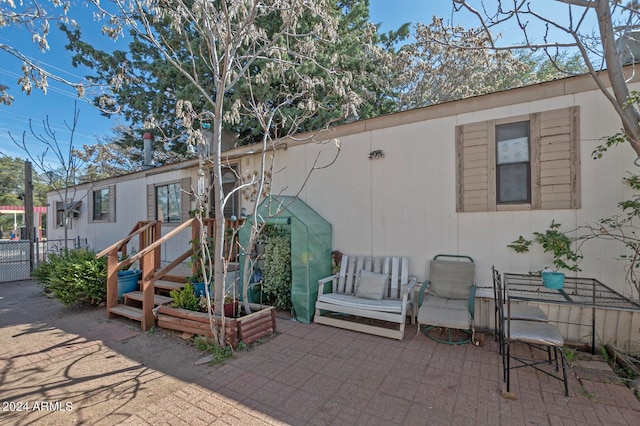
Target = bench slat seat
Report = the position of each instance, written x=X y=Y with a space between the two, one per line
x=384 y=305
x=333 y=305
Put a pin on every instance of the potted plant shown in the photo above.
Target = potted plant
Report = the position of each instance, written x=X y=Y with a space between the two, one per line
x=231 y=306
x=196 y=263
x=560 y=246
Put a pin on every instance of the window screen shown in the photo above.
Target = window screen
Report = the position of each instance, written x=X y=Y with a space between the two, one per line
x=168 y=203
x=513 y=165
x=229 y=182
x=101 y=204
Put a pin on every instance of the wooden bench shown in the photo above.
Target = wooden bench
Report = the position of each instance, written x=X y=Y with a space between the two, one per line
x=339 y=305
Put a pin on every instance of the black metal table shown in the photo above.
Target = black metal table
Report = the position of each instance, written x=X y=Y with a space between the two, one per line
x=577 y=291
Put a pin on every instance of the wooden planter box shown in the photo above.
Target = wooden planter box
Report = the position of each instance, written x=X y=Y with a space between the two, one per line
x=247 y=329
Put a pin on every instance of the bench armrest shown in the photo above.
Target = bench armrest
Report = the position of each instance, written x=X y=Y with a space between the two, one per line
x=323 y=281
x=409 y=286
x=408 y=297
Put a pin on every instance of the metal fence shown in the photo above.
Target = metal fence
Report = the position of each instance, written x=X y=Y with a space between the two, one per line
x=15 y=263
x=44 y=248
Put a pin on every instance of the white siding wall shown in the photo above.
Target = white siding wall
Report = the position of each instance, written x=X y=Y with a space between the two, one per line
x=131 y=207
x=404 y=204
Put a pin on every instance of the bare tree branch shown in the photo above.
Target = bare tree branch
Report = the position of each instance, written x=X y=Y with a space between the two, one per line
x=589 y=47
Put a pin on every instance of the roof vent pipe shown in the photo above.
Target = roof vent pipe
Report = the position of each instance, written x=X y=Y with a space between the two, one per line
x=148 y=150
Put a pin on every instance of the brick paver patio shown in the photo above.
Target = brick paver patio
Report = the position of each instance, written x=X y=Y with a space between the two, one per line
x=308 y=375
x=319 y=375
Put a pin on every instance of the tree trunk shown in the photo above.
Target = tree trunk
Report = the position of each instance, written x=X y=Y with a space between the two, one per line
x=629 y=115
x=218 y=208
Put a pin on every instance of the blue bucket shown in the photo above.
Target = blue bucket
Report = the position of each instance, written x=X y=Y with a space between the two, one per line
x=198 y=289
x=553 y=280
x=128 y=281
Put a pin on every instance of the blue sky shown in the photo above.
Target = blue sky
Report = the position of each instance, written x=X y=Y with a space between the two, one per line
x=58 y=103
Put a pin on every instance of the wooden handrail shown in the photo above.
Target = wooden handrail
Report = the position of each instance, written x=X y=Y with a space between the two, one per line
x=156 y=243
x=136 y=231
x=178 y=260
x=123 y=247
x=149 y=258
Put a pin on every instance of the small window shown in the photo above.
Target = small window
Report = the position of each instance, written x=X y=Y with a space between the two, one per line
x=528 y=162
x=101 y=204
x=513 y=165
x=59 y=214
x=168 y=203
x=229 y=183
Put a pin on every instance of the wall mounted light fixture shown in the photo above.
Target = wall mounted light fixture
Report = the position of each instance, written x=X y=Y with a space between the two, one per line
x=378 y=153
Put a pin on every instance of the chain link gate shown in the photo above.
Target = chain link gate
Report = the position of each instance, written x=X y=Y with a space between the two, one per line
x=14 y=260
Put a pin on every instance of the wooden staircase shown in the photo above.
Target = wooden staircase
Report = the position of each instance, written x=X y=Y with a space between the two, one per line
x=126 y=311
x=136 y=296
x=166 y=286
x=139 y=305
x=131 y=306
x=156 y=282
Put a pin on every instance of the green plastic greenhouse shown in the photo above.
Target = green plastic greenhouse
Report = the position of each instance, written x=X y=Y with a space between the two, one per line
x=310 y=248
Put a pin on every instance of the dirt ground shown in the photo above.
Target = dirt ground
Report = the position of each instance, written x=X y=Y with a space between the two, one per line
x=69 y=366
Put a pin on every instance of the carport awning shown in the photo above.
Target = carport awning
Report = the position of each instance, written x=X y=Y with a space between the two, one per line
x=20 y=209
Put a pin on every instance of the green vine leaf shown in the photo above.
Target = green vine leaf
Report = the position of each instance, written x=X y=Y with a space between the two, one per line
x=277 y=270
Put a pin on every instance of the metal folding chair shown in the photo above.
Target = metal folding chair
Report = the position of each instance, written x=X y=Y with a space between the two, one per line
x=537 y=335
x=518 y=311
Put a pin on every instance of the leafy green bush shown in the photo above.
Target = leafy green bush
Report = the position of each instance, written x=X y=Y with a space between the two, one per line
x=277 y=272
x=74 y=276
x=42 y=272
x=185 y=298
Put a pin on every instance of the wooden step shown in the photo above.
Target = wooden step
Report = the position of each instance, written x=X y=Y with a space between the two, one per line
x=127 y=311
x=168 y=285
x=175 y=278
x=157 y=299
